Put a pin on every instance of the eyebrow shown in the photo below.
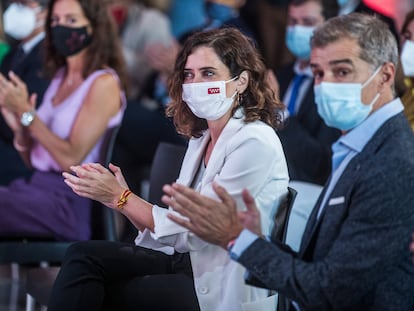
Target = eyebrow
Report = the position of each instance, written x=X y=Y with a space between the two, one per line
x=340 y=61
x=336 y=62
x=203 y=68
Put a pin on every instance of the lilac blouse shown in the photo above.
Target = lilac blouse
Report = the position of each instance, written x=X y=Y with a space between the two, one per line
x=60 y=119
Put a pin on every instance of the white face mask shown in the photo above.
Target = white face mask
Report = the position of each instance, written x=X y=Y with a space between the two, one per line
x=407 y=58
x=340 y=105
x=208 y=100
x=19 y=20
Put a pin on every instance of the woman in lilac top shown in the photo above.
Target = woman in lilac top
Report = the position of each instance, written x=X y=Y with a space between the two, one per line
x=82 y=103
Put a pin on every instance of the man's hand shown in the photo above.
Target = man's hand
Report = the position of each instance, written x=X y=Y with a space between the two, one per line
x=213 y=221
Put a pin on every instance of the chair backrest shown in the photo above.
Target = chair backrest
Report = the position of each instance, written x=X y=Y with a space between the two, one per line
x=28 y=250
x=103 y=218
x=282 y=216
x=307 y=195
x=165 y=168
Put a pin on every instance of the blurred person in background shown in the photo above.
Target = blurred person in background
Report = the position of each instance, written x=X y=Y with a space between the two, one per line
x=305 y=137
x=23 y=22
x=268 y=18
x=81 y=105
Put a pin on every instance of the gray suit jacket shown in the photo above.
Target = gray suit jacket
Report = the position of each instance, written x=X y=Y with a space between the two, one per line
x=355 y=257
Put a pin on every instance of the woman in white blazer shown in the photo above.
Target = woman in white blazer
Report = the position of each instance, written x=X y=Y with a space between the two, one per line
x=221 y=101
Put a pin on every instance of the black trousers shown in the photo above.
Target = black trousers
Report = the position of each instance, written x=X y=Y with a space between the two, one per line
x=102 y=275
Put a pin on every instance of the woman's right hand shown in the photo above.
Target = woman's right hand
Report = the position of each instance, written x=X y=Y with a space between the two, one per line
x=96 y=182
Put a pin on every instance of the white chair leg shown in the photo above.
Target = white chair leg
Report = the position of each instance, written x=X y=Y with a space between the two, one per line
x=14 y=270
x=30 y=303
x=14 y=287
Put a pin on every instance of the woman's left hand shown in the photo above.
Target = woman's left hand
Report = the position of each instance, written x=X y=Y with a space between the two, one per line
x=96 y=182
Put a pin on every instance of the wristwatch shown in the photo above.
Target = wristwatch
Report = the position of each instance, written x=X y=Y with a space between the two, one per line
x=27 y=118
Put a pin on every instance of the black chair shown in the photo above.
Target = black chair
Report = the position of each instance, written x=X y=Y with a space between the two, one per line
x=281 y=220
x=278 y=233
x=164 y=169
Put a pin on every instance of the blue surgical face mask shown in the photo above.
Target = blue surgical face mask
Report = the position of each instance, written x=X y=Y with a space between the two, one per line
x=340 y=105
x=298 y=40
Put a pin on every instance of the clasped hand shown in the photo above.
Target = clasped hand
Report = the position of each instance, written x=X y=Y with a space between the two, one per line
x=96 y=182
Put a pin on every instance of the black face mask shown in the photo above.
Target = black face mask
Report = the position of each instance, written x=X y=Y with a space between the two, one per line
x=68 y=41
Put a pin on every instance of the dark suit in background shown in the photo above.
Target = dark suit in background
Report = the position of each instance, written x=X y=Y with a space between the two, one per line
x=370 y=227
x=305 y=138
x=29 y=69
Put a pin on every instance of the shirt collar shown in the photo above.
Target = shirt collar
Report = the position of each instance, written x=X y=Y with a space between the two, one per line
x=305 y=71
x=29 y=45
x=358 y=137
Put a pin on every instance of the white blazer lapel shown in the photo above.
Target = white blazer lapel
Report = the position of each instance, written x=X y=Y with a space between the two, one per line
x=218 y=155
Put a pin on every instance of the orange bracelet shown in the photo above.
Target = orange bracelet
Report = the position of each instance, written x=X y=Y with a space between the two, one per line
x=123 y=198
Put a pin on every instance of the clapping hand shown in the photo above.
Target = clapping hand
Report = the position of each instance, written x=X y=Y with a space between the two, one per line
x=14 y=95
x=96 y=182
x=217 y=222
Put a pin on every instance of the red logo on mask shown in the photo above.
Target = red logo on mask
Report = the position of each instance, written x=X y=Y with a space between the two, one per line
x=213 y=90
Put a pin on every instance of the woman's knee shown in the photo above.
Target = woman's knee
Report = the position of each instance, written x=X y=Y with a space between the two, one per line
x=85 y=249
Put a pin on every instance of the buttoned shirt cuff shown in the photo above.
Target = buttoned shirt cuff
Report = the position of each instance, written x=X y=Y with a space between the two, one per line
x=243 y=241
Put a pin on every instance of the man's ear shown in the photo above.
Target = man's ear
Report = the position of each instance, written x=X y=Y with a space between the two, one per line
x=243 y=81
x=388 y=73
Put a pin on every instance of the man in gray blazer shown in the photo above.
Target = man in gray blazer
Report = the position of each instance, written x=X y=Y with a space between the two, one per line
x=354 y=253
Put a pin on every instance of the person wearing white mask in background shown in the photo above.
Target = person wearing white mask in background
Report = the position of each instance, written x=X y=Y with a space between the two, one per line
x=222 y=103
x=23 y=22
x=407 y=64
x=305 y=138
